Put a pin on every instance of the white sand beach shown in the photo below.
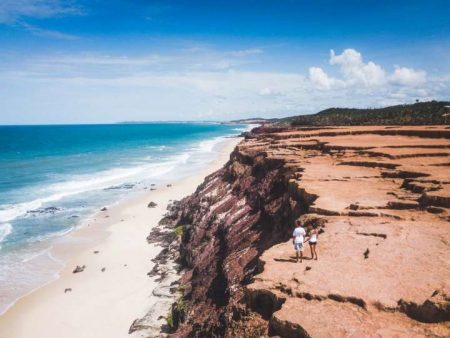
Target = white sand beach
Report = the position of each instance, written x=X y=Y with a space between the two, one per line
x=103 y=303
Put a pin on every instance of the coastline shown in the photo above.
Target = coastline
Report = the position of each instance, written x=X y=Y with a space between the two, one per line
x=104 y=303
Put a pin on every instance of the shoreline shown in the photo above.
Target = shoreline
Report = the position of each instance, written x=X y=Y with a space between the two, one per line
x=96 y=303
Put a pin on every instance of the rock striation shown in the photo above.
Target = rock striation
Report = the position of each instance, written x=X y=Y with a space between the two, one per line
x=380 y=197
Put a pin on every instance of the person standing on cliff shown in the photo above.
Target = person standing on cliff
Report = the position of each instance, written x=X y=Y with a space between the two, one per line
x=313 y=233
x=297 y=238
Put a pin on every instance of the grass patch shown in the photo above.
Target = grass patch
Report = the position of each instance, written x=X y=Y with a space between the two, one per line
x=180 y=308
x=180 y=305
x=179 y=230
x=169 y=320
x=181 y=288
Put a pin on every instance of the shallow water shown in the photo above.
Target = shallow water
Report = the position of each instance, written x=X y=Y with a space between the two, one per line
x=54 y=177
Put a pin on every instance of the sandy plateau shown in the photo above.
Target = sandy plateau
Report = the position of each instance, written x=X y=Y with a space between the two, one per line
x=381 y=197
x=380 y=191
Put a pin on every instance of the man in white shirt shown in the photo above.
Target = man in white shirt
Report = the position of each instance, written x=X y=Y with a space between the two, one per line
x=298 y=237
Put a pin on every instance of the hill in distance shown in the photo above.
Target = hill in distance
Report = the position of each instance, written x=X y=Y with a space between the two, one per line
x=421 y=113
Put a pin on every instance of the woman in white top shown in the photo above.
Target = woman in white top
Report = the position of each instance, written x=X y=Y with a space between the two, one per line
x=312 y=235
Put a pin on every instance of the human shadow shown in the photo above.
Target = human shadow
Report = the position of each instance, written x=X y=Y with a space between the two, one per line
x=291 y=259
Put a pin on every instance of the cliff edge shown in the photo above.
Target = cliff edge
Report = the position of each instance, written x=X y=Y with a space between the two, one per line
x=380 y=197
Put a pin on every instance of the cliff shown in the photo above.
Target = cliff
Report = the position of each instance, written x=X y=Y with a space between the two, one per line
x=380 y=197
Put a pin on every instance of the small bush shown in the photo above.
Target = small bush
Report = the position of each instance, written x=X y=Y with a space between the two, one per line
x=181 y=288
x=179 y=231
x=169 y=320
x=181 y=305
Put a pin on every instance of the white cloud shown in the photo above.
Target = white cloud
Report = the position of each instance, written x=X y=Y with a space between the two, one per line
x=246 y=52
x=17 y=12
x=186 y=84
x=358 y=74
x=13 y=10
x=99 y=64
x=269 y=92
x=106 y=60
x=321 y=79
x=408 y=77
x=355 y=70
x=265 y=91
x=37 y=31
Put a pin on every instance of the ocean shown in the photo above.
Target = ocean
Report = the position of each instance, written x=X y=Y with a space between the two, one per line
x=52 y=178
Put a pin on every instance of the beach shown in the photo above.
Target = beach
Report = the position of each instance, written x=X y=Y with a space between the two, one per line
x=113 y=289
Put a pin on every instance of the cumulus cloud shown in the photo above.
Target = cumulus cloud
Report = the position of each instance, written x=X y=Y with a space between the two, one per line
x=355 y=70
x=408 y=77
x=321 y=79
x=357 y=73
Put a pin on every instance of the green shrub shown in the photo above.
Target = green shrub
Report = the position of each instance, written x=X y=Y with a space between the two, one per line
x=169 y=320
x=179 y=230
x=181 y=305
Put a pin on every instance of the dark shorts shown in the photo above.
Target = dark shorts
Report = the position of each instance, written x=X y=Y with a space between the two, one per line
x=312 y=243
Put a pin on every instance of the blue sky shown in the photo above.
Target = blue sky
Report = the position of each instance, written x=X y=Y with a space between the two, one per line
x=106 y=61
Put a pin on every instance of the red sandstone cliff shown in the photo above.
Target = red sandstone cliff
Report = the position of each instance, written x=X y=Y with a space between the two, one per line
x=381 y=196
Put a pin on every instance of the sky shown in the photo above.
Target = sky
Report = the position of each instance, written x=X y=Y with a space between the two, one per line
x=96 y=61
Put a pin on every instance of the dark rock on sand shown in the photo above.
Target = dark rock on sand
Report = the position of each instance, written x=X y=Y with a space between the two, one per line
x=152 y=205
x=366 y=253
x=79 y=269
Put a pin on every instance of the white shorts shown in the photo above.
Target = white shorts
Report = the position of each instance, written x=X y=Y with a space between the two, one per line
x=298 y=246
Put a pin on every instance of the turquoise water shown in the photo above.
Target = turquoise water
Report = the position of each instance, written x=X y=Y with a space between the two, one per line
x=53 y=177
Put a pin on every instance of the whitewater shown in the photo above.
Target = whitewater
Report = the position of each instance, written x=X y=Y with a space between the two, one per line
x=54 y=178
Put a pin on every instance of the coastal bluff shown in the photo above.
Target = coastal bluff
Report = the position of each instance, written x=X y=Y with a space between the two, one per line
x=380 y=196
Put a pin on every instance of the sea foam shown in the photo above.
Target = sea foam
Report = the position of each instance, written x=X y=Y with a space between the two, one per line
x=78 y=184
x=60 y=181
x=5 y=230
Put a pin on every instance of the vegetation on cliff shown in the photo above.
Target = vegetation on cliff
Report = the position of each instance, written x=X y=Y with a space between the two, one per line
x=421 y=113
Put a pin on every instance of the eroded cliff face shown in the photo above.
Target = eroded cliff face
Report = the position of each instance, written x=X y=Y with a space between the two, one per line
x=381 y=198
x=235 y=215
